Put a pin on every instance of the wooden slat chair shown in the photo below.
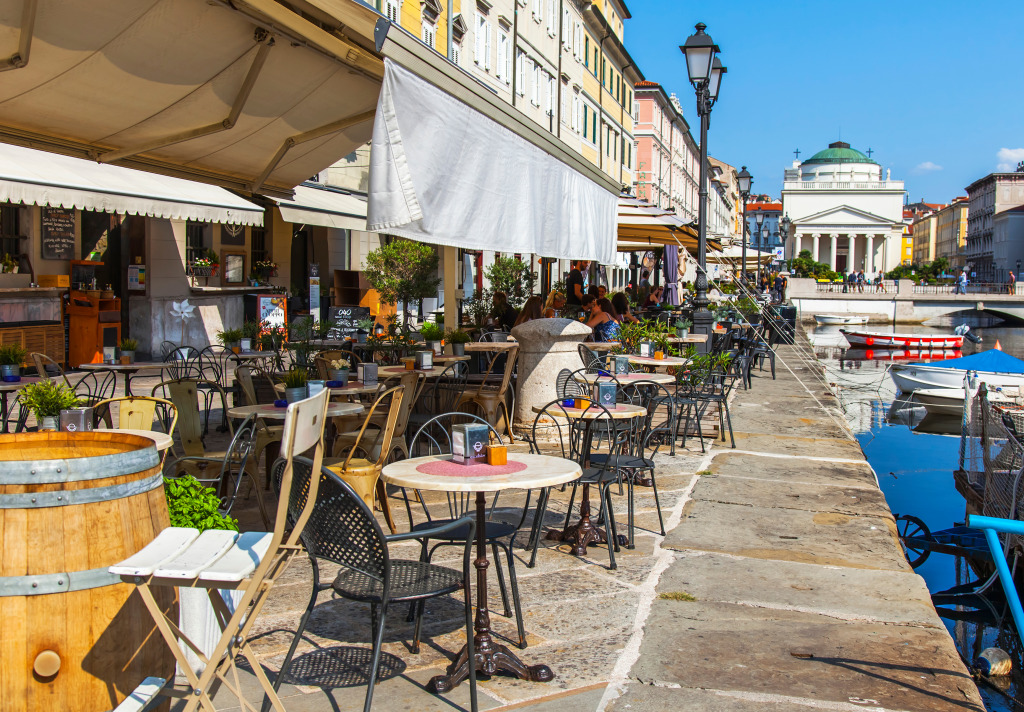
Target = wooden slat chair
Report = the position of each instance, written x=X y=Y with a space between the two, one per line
x=363 y=473
x=184 y=395
x=489 y=396
x=217 y=559
x=265 y=434
x=139 y=413
x=374 y=427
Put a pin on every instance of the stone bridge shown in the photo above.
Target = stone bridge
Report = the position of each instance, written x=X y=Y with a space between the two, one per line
x=902 y=303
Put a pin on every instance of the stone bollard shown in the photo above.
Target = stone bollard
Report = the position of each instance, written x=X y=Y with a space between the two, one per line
x=546 y=346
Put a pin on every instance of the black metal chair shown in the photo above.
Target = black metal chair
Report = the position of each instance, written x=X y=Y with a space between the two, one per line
x=566 y=385
x=343 y=530
x=440 y=395
x=212 y=361
x=434 y=438
x=592 y=360
x=183 y=363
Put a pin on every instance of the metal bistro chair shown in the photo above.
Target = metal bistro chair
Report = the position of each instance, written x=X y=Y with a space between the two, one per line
x=591 y=359
x=434 y=438
x=489 y=396
x=342 y=530
x=183 y=363
x=217 y=559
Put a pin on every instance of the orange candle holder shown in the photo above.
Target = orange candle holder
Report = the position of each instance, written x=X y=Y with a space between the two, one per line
x=410 y=364
x=659 y=355
x=497 y=455
x=582 y=403
x=125 y=360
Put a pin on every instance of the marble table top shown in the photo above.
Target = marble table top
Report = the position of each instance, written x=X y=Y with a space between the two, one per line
x=130 y=367
x=272 y=412
x=658 y=362
x=6 y=387
x=354 y=388
x=491 y=345
x=541 y=471
x=663 y=378
x=434 y=371
x=622 y=411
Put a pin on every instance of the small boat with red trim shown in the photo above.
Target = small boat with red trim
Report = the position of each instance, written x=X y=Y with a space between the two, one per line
x=868 y=339
x=901 y=354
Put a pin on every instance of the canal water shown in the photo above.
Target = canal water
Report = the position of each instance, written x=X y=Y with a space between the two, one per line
x=914 y=457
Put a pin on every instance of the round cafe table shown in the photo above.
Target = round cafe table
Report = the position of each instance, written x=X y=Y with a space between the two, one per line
x=584 y=533
x=128 y=369
x=658 y=362
x=627 y=378
x=477 y=346
x=354 y=388
x=386 y=371
x=272 y=412
x=523 y=471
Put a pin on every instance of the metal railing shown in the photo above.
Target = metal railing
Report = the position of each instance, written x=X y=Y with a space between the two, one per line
x=972 y=288
x=887 y=286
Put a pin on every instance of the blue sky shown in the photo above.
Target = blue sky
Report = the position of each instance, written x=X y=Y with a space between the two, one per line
x=933 y=87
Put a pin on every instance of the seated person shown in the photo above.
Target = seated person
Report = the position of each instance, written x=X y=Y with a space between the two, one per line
x=602 y=291
x=530 y=311
x=588 y=304
x=621 y=305
x=654 y=298
x=554 y=305
x=503 y=314
x=604 y=320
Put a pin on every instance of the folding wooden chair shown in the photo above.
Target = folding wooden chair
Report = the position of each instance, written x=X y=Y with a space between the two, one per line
x=219 y=559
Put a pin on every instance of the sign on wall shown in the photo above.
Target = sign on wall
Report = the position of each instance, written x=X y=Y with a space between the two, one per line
x=232 y=235
x=57 y=233
x=314 y=291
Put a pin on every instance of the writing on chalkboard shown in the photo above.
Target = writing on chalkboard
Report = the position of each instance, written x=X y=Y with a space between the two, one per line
x=344 y=321
x=57 y=232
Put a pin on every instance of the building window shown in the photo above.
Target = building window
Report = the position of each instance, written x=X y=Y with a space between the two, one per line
x=457 y=53
x=576 y=113
x=10 y=230
x=586 y=51
x=503 y=69
x=566 y=30
x=195 y=240
x=552 y=17
x=392 y=9
x=520 y=72
x=535 y=89
x=596 y=56
x=538 y=9
x=429 y=33
x=258 y=242
x=552 y=94
x=586 y=120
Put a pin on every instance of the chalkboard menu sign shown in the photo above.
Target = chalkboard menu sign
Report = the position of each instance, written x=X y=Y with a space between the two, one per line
x=58 y=233
x=344 y=321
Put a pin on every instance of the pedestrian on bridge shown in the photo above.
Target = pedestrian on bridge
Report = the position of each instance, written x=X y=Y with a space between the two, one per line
x=1011 y=283
x=961 y=283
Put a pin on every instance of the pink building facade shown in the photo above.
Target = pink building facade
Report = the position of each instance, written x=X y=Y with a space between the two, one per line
x=667 y=157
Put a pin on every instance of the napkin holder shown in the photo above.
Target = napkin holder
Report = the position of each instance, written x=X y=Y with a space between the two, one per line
x=369 y=374
x=621 y=365
x=469 y=443
x=424 y=360
x=605 y=393
x=646 y=349
x=76 y=420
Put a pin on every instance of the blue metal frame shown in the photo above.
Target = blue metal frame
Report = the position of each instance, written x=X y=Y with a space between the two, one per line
x=990 y=526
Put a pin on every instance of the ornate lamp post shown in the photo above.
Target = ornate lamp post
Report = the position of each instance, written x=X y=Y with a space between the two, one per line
x=759 y=221
x=705 y=74
x=784 y=224
x=744 y=180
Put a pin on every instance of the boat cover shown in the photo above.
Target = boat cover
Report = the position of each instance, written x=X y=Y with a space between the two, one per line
x=992 y=360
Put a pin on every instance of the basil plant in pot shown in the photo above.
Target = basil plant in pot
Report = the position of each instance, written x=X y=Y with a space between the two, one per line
x=458 y=339
x=45 y=400
x=683 y=327
x=11 y=358
x=433 y=334
x=193 y=505
x=231 y=338
x=295 y=385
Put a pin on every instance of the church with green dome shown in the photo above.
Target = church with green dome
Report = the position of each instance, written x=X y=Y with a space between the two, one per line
x=843 y=211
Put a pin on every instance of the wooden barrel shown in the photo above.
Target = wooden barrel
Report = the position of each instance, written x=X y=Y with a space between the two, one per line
x=73 y=637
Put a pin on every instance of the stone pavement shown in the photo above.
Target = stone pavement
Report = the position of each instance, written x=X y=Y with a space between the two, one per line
x=787 y=588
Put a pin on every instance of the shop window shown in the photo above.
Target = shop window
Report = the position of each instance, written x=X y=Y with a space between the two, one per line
x=196 y=242
x=258 y=240
x=10 y=230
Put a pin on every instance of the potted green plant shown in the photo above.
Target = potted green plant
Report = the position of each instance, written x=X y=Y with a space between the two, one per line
x=45 y=400
x=458 y=339
x=250 y=334
x=433 y=334
x=295 y=385
x=364 y=328
x=338 y=370
x=128 y=348
x=683 y=327
x=193 y=505
x=11 y=358
x=231 y=338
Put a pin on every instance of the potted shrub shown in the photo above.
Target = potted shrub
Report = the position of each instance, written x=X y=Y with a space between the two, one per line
x=11 y=358
x=250 y=334
x=433 y=334
x=458 y=339
x=683 y=327
x=338 y=370
x=191 y=504
x=46 y=399
x=128 y=347
x=365 y=327
x=231 y=338
x=295 y=385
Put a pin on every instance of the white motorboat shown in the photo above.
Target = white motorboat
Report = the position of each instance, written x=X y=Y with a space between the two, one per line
x=993 y=367
x=840 y=319
x=941 y=401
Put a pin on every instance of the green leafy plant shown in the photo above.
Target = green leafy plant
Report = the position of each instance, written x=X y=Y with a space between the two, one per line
x=458 y=336
x=478 y=308
x=403 y=271
x=46 y=399
x=684 y=324
x=514 y=277
x=432 y=332
x=229 y=336
x=129 y=345
x=295 y=378
x=12 y=355
x=365 y=325
x=191 y=504
x=250 y=329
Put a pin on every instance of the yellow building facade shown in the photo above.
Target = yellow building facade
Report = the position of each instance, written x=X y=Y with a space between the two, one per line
x=951 y=233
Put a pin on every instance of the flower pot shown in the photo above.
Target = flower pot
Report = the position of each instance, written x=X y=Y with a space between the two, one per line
x=459 y=349
x=343 y=376
x=130 y=355
x=293 y=395
x=682 y=333
x=198 y=621
x=49 y=422
x=10 y=369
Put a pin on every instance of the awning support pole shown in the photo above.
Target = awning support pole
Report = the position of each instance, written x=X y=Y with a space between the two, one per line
x=266 y=41
x=28 y=23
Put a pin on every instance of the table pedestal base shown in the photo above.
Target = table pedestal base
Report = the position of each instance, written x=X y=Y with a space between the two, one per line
x=583 y=533
x=491 y=658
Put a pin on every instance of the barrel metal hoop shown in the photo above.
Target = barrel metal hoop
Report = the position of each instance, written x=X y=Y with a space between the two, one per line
x=65 y=498
x=41 y=584
x=78 y=469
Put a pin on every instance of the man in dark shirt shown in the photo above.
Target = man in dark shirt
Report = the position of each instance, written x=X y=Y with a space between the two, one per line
x=504 y=313
x=574 y=284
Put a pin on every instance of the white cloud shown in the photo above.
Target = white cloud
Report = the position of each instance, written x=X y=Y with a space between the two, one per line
x=1009 y=158
x=927 y=167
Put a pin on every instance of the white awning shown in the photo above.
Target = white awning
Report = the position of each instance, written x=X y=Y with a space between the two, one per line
x=40 y=178
x=443 y=172
x=326 y=207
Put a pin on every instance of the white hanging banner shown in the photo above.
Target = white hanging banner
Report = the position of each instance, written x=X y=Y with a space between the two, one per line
x=442 y=172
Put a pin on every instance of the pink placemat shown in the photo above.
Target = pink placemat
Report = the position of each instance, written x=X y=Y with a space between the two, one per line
x=447 y=468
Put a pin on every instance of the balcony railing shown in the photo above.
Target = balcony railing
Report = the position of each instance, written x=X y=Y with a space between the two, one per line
x=842 y=185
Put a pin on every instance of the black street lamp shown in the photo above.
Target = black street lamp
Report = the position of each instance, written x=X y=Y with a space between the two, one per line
x=744 y=181
x=784 y=225
x=759 y=221
x=705 y=74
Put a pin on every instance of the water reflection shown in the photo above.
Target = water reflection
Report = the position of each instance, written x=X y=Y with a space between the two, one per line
x=914 y=454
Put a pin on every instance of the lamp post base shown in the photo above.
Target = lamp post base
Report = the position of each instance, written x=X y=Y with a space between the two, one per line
x=703 y=321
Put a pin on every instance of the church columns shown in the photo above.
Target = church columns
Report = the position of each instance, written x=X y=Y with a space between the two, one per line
x=869 y=257
x=814 y=246
x=851 y=265
x=835 y=247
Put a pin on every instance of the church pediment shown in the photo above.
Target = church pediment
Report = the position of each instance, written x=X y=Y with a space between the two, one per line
x=843 y=215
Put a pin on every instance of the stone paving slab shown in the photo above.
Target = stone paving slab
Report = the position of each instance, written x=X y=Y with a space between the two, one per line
x=791 y=495
x=738 y=648
x=789 y=535
x=837 y=592
x=795 y=470
x=647 y=697
x=786 y=416
x=805 y=445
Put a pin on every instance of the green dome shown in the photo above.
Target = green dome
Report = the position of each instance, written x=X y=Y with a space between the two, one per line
x=838 y=152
